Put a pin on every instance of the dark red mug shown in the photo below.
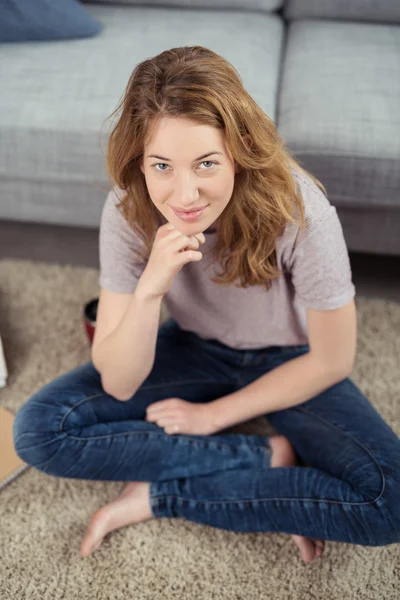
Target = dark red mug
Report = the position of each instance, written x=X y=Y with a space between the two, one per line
x=89 y=317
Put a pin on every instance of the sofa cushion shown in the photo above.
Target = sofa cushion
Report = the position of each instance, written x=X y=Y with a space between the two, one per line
x=382 y=11
x=263 y=5
x=339 y=109
x=42 y=20
x=58 y=95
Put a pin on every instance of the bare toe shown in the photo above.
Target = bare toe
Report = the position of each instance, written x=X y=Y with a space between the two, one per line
x=306 y=547
x=319 y=547
x=94 y=533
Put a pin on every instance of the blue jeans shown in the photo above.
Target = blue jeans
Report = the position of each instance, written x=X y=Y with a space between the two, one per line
x=345 y=489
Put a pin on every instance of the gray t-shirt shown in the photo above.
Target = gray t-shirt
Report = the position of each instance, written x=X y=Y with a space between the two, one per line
x=317 y=275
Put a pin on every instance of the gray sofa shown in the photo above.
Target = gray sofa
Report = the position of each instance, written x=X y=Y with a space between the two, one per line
x=327 y=72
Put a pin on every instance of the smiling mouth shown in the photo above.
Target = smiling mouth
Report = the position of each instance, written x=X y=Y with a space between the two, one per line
x=187 y=212
x=190 y=216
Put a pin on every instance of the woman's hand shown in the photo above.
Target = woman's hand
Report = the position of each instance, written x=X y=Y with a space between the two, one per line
x=170 y=252
x=192 y=419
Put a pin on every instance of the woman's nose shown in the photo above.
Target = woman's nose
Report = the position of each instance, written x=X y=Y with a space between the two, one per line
x=186 y=191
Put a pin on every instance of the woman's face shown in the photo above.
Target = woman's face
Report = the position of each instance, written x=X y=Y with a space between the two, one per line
x=179 y=175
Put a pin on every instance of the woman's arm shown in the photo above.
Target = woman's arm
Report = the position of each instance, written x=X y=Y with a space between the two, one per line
x=332 y=340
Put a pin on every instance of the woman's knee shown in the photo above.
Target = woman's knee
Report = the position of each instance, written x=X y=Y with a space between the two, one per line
x=40 y=419
x=36 y=422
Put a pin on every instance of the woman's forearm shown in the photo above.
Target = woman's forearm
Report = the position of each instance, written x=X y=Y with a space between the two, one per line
x=125 y=357
x=290 y=384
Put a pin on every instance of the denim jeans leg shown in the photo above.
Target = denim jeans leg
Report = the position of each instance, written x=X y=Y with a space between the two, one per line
x=72 y=428
x=348 y=490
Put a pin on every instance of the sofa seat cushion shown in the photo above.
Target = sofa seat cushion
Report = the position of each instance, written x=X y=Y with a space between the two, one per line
x=59 y=94
x=339 y=108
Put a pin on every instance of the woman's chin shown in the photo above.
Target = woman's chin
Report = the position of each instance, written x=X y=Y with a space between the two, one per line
x=193 y=228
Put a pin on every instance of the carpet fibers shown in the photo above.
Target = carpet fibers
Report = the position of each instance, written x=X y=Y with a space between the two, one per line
x=44 y=518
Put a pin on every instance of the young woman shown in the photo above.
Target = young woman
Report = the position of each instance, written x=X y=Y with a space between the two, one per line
x=211 y=213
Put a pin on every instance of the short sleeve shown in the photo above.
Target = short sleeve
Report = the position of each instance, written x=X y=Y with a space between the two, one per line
x=320 y=269
x=120 y=262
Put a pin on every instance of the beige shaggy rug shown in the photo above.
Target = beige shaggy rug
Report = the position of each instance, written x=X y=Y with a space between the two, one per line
x=43 y=518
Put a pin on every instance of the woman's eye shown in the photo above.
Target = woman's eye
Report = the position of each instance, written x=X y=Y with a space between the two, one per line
x=212 y=162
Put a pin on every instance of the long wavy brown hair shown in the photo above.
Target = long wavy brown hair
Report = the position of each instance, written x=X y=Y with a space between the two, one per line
x=196 y=83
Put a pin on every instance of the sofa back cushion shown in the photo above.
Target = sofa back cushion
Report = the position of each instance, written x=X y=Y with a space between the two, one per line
x=263 y=5
x=381 y=11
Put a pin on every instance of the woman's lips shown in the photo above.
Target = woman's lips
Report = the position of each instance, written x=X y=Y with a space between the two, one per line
x=190 y=216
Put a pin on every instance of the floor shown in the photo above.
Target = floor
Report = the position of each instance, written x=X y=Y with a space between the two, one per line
x=373 y=275
x=43 y=518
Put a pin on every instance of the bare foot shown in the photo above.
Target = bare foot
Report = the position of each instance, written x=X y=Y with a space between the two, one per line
x=132 y=506
x=283 y=455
